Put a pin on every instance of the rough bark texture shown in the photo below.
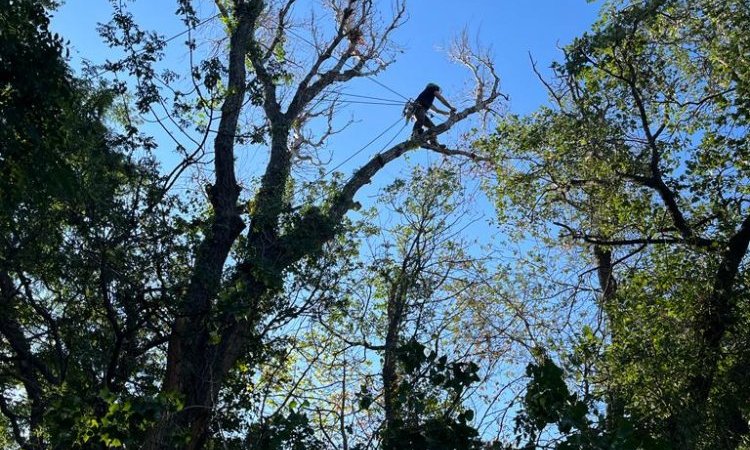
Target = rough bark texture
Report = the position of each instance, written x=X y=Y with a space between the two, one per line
x=395 y=313
x=32 y=372
x=608 y=286
x=717 y=316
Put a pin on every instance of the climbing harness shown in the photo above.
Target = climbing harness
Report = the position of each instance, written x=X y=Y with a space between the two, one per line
x=409 y=110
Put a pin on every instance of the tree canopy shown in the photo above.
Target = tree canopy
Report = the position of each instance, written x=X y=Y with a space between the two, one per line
x=638 y=162
x=157 y=303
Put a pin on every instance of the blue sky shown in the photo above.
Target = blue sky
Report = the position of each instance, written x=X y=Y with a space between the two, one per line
x=513 y=29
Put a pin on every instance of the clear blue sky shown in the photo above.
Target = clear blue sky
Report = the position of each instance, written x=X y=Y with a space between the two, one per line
x=512 y=28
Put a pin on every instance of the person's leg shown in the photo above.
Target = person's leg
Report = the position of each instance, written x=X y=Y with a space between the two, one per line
x=430 y=125
x=421 y=116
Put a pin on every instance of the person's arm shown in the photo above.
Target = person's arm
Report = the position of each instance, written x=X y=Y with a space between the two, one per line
x=439 y=111
x=445 y=102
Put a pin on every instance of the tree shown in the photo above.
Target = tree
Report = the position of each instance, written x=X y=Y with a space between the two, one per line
x=278 y=234
x=640 y=164
x=407 y=309
x=80 y=222
x=579 y=423
x=172 y=297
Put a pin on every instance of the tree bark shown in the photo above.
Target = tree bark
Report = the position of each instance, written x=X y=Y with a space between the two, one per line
x=395 y=313
x=608 y=285
x=716 y=317
x=189 y=367
x=28 y=367
x=205 y=343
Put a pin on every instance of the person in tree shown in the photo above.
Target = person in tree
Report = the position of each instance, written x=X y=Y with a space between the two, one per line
x=423 y=104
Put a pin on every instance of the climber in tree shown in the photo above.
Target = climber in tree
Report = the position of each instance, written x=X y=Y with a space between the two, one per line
x=423 y=104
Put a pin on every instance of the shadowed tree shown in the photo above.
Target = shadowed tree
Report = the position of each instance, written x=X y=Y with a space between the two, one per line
x=125 y=312
x=641 y=159
x=217 y=318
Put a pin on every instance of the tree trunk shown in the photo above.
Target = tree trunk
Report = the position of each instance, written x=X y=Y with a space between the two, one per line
x=28 y=374
x=395 y=316
x=716 y=317
x=191 y=356
x=608 y=285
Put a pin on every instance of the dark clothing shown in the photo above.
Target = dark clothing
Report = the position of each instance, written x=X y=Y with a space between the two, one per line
x=420 y=114
x=427 y=96
x=422 y=105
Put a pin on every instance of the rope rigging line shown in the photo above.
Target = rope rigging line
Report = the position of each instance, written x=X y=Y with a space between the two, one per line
x=388 y=102
x=377 y=100
x=345 y=102
x=369 y=77
x=330 y=171
x=367 y=145
x=370 y=97
x=292 y=32
x=199 y=24
x=358 y=102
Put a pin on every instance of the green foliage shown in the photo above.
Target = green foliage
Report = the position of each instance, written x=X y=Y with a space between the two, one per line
x=547 y=399
x=89 y=421
x=576 y=421
x=97 y=262
x=35 y=96
x=428 y=398
x=284 y=432
x=88 y=235
x=643 y=153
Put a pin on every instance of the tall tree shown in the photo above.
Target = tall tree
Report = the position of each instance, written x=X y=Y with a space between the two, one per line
x=173 y=299
x=407 y=309
x=279 y=234
x=85 y=244
x=641 y=164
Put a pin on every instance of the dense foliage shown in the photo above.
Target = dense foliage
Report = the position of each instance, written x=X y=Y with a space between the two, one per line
x=640 y=164
x=267 y=311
